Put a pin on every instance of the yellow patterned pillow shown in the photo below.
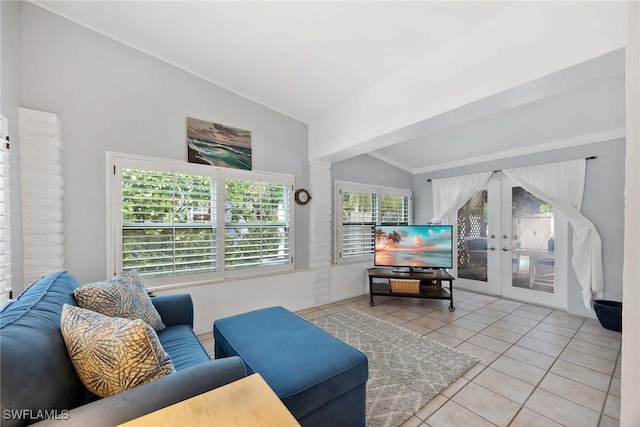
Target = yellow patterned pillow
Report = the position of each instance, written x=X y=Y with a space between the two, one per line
x=123 y=296
x=112 y=354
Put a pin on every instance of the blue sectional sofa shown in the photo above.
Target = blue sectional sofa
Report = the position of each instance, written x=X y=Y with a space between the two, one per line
x=38 y=380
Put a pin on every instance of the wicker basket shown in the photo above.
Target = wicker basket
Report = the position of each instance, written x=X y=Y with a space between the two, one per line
x=405 y=286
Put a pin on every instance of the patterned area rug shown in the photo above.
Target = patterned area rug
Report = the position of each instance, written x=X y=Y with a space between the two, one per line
x=405 y=370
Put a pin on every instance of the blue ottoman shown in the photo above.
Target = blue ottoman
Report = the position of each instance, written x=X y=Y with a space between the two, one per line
x=320 y=379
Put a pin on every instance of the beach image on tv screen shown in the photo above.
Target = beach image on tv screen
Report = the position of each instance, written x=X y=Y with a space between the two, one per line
x=413 y=246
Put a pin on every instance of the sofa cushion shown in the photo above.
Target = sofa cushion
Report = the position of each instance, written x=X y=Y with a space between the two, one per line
x=112 y=354
x=122 y=296
x=184 y=347
x=36 y=370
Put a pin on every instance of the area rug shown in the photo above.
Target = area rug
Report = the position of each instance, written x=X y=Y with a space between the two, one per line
x=406 y=370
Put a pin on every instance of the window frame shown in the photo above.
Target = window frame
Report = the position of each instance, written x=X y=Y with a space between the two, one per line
x=265 y=177
x=115 y=162
x=353 y=187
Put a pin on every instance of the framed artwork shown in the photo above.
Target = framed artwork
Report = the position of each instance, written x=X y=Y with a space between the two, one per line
x=218 y=145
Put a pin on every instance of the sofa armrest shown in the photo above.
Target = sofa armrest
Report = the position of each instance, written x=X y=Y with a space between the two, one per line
x=158 y=394
x=174 y=309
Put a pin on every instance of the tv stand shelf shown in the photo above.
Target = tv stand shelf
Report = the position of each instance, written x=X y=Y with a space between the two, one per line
x=431 y=284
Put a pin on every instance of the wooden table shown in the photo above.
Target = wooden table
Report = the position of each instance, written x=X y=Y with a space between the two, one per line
x=246 y=402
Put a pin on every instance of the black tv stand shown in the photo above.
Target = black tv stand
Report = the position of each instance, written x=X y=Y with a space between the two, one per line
x=411 y=270
x=430 y=284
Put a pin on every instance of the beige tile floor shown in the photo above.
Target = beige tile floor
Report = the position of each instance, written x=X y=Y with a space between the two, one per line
x=540 y=367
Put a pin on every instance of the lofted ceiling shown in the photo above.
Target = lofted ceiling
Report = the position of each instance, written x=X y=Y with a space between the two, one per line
x=304 y=58
x=592 y=112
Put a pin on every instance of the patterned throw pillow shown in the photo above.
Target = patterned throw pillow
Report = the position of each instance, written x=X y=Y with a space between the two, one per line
x=123 y=296
x=112 y=354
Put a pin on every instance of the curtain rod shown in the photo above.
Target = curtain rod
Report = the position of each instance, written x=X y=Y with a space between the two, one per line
x=500 y=170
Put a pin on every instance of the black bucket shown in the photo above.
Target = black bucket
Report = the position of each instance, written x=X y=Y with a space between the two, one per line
x=609 y=314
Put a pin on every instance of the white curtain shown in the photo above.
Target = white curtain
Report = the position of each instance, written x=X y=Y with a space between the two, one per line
x=450 y=194
x=562 y=186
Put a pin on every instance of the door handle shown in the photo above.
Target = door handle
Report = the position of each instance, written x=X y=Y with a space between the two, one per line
x=492 y=248
x=506 y=249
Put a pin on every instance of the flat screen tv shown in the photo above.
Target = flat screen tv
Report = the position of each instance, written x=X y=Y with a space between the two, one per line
x=413 y=246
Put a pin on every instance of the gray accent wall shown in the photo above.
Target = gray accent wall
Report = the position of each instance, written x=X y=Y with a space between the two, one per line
x=11 y=100
x=603 y=204
x=365 y=169
x=111 y=97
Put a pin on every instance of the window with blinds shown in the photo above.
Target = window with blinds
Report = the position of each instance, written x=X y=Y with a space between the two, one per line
x=359 y=216
x=394 y=210
x=176 y=219
x=167 y=224
x=256 y=223
x=359 y=208
x=5 y=230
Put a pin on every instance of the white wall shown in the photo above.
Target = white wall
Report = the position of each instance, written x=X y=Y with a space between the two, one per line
x=111 y=97
x=630 y=410
x=349 y=280
x=530 y=40
x=210 y=302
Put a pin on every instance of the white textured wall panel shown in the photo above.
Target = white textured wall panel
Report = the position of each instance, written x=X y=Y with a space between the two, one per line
x=5 y=215
x=320 y=231
x=42 y=193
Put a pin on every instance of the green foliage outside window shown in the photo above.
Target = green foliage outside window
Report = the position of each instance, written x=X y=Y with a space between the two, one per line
x=394 y=210
x=168 y=223
x=256 y=223
x=361 y=211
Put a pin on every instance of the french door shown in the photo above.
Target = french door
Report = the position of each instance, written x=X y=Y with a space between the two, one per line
x=512 y=244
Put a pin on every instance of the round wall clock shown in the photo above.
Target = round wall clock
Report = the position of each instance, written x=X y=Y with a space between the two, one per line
x=302 y=196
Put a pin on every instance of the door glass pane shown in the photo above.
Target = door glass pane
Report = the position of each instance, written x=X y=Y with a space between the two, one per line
x=472 y=238
x=533 y=242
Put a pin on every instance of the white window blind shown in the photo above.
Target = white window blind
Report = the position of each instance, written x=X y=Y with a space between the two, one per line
x=359 y=216
x=172 y=219
x=394 y=210
x=5 y=229
x=257 y=226
x=167 y=224
x=360 y=208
